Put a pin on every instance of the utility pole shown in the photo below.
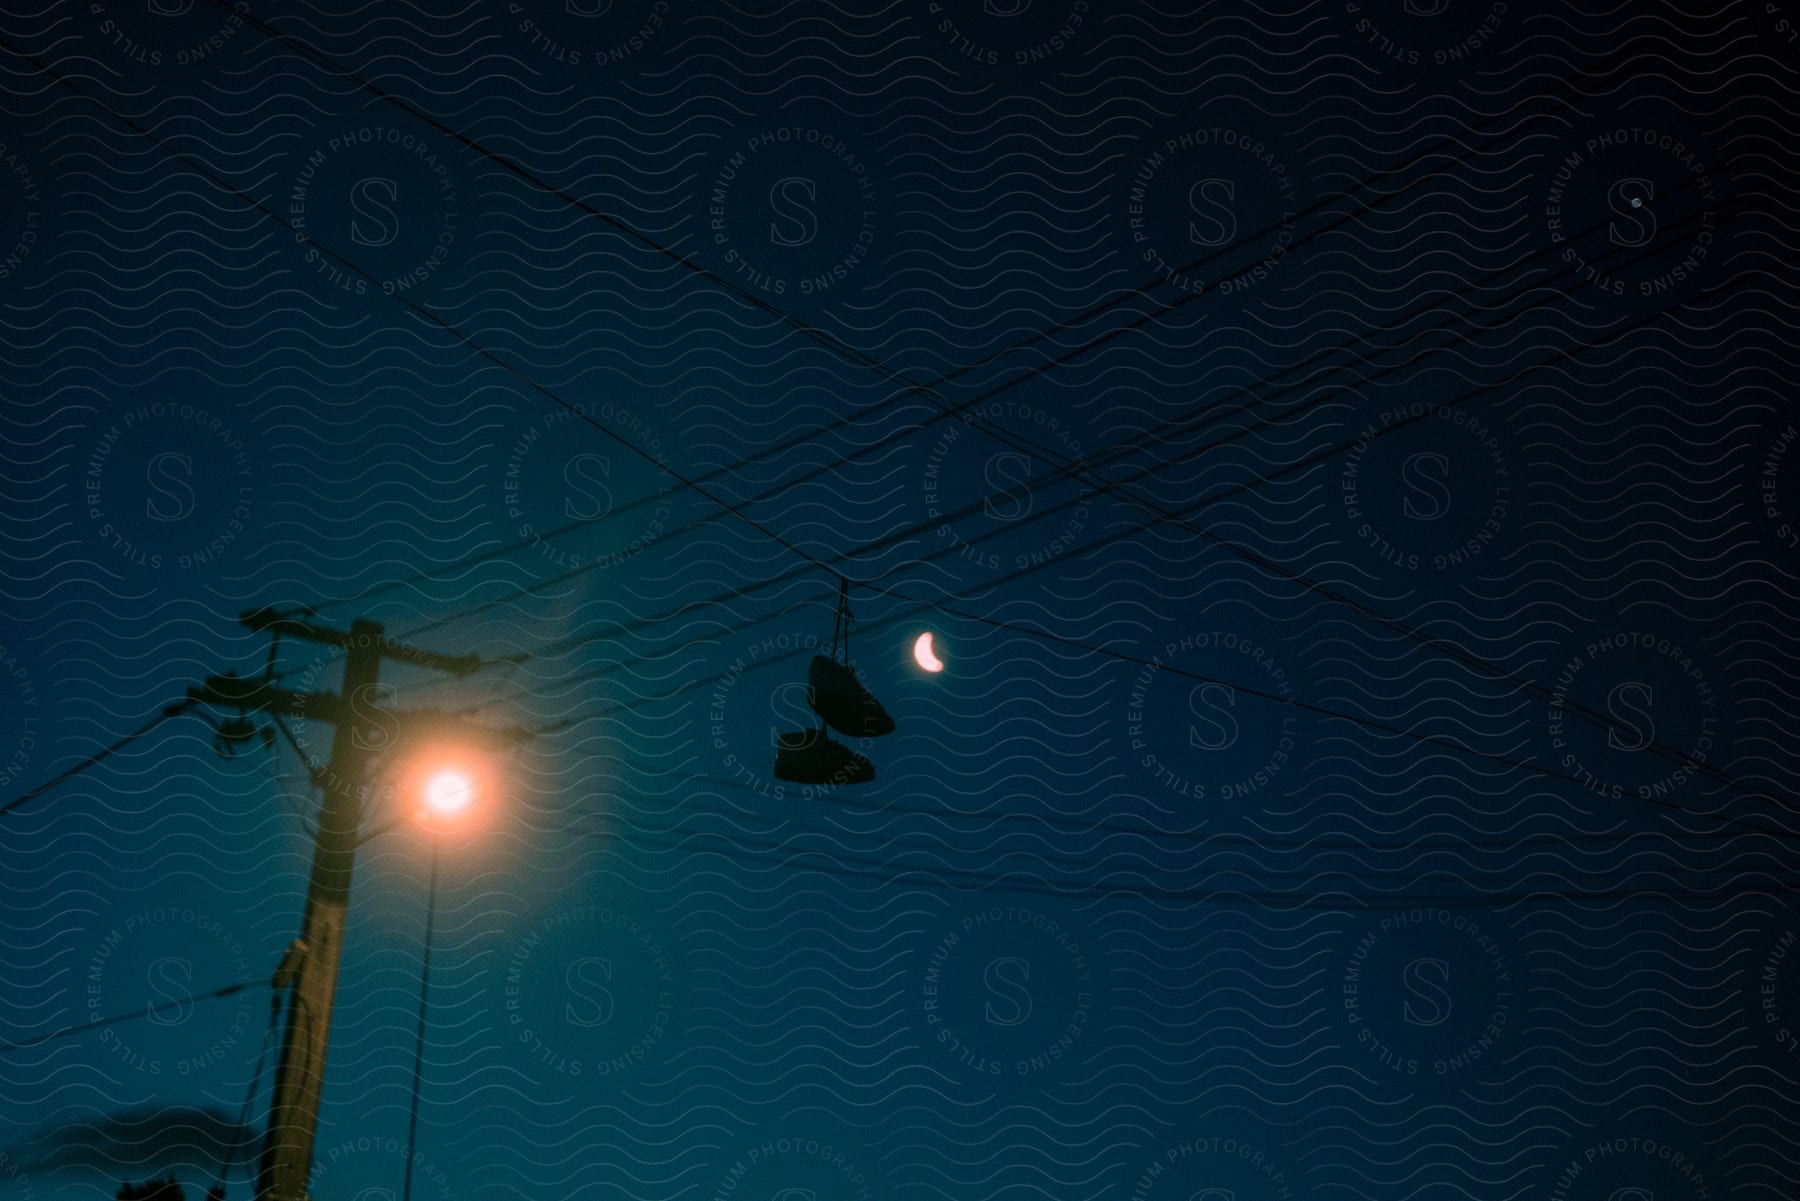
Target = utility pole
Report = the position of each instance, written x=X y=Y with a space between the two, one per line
x=310 y=969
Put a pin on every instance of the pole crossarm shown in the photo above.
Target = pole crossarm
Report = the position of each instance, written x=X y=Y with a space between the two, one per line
x=414 y=723
x=253 y=693
x=268 y=620
x=248 y=692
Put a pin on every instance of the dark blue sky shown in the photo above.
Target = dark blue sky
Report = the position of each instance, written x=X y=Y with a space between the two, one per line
x=1364 y=758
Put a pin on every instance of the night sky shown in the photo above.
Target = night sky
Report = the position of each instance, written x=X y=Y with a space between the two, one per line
x=1345 y=454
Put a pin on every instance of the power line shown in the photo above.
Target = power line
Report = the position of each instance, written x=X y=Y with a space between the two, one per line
x=1734 y=828
x=1194 y=839
x=239 y=1135
x=813 y=332
x=433 y=318
x=135 y=1015
x=564 y=645
x=430 y=316
x=1369 y=723
x=822 y=337
x=850 y=866
x=1383 y=727
x=1436 y=741
x=1107 y=486
x=418 y=1074
x=94 y=758
x=925 y=841
x=1106 y=458
x=1103 y=459
x=831 y=341
x=1440 y=645
x=734 y=594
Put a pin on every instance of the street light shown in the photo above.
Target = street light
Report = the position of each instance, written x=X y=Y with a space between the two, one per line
x=448 y=786
x=363 y=728
x=438 y=791
x=449 y=792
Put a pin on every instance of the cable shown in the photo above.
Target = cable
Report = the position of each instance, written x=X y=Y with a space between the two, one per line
x=1114 y=454
x=1195 y=839
x=737 y=511
x=412 y=1122
x=1433 y=740
x=430 y=316
x=854 y=867
x=564 y=645
x=578 y=640
x=97 y=757
x=1106 y=458
x=1442 y=743
x=831 y=341
x=1103 y=459
x=243 y=1118
x=822 y=337
x=636 y=235
x=136 y=1015
x=1397 y=625
x=928 y=843
x=567 y=644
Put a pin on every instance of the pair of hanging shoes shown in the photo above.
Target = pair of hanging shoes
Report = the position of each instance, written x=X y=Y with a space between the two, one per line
x=844 y=705
x=836 y=695
x=812 y=757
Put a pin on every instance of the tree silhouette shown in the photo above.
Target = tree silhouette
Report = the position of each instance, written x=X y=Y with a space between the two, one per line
x=165 y=1189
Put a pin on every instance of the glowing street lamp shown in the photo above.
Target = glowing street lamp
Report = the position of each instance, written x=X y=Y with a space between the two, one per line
x=445 y=787
x=448 y=786
x=449 y=792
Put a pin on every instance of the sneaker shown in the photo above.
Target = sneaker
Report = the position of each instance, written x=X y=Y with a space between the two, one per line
x=810 y=757
x=836 y=695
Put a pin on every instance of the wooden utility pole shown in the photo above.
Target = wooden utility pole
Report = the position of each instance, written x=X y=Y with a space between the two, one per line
x=364 y=728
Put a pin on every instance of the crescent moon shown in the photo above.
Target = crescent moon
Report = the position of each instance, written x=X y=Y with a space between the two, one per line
x=924 y=655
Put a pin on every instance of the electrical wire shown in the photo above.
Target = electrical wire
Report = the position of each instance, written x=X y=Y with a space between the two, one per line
x=1436 y=741
x=687 y=607
x=1442 y=646
x=924 y=842
x=1106 y=458
x=1264 y=694
x=1441 y=743
x=1438 y=644
x=424 y=312
x=94 y=758
x=1435 y=643
x=134 y=1016
x=1194 y=839
x=561 y=647
x=418 y=1080
x=1442 y=148
x=243 y=1118
x=850 y=866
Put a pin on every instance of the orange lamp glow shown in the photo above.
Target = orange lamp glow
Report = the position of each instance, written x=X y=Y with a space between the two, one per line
x=449 y=791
